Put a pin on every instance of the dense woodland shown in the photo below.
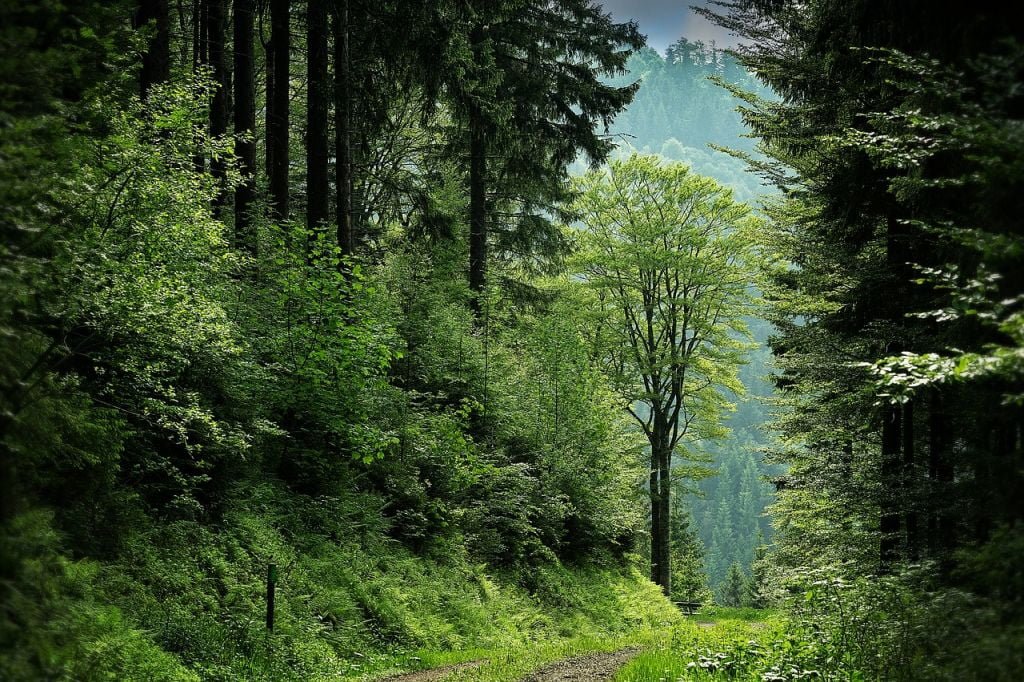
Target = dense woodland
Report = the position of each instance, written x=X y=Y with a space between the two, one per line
x=447 y=325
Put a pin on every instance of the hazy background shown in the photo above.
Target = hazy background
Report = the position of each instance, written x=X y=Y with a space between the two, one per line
x=664 y=21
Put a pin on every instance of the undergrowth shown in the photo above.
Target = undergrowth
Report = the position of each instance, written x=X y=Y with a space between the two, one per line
x=187 y=601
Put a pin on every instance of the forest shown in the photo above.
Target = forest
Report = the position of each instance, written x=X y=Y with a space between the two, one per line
x=480 y=340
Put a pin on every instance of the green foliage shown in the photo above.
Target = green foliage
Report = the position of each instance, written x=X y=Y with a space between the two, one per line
x=661 y=244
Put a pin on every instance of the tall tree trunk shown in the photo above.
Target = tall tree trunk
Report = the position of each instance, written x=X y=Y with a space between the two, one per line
x=477 y=214
x=665 y=502
x=268 y=105
x=279 y=109
x=889 y=523
x=156 y=61
x=940 y=471
x=654 y=491
x=342 y=126
x=197 y=33
x=661 y=492
x=317 y=187
x=245 y=124
x=219 y=106
x=910 y=487
x=199 y=58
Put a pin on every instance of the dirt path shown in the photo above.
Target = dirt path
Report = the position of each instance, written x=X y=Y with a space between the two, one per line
x=435 y=673
x=587 y=668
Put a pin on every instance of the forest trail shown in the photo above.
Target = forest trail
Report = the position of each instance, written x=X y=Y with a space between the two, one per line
x=593 y=667
x=586 y=668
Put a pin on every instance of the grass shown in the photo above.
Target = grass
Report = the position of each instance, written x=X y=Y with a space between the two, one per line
x=715 y=638
x=668 y=649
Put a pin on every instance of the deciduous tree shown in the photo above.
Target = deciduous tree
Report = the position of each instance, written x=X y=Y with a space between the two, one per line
x=666 y=254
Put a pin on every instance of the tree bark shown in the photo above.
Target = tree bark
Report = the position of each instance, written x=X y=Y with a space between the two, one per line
x=197 y=34
x=889 y=523
x=342 y=129
x=477 y=214
x=661 y=498
x=245 y=124
x=665 y=502
x=654 y=491
x=910 y=487
x=219 y=105
x=156 y=60
x=317 y=187
x=279 y=109
x=199 y=59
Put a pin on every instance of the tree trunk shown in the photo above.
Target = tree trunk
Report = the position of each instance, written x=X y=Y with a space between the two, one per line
x=156 y=61
x=197 y=35
x=245 y=124
x=219 y=106
x=279 y=110
x=477 y=214
x=199 y=57
x=342 y=133
x=940 y=471
x=889 y=523
x=910 y=487
x=665 y=502
x=317 y=188
x=654 y=490
x=661 y=492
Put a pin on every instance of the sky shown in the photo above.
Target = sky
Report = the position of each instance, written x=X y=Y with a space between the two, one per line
x=665 y=21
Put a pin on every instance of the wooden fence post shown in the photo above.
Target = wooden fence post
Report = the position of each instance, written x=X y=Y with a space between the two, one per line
x=271 y=584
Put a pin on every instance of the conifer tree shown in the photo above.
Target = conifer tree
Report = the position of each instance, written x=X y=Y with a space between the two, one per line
x=734 y=589
x=534 y=102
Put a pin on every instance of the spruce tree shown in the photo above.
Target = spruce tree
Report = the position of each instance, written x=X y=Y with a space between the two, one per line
x=734 y=589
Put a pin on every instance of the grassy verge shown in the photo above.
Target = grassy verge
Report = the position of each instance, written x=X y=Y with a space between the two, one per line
x=717 y=643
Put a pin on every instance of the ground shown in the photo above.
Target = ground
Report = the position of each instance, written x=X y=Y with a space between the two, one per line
x=688 y=649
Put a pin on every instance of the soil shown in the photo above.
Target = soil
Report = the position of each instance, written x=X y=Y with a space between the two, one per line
x=588 y=668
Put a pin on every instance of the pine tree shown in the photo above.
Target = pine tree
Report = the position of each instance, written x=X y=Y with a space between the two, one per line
x=758 y=593
x=734 y=590
x=532 y=105
x=689 y=574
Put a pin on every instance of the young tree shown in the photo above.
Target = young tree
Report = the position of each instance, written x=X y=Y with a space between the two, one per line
x=689 y=574
x=734 y=592
x=666 y=254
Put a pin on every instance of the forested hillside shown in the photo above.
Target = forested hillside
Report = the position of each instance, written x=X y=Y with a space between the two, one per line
x=347 y=339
